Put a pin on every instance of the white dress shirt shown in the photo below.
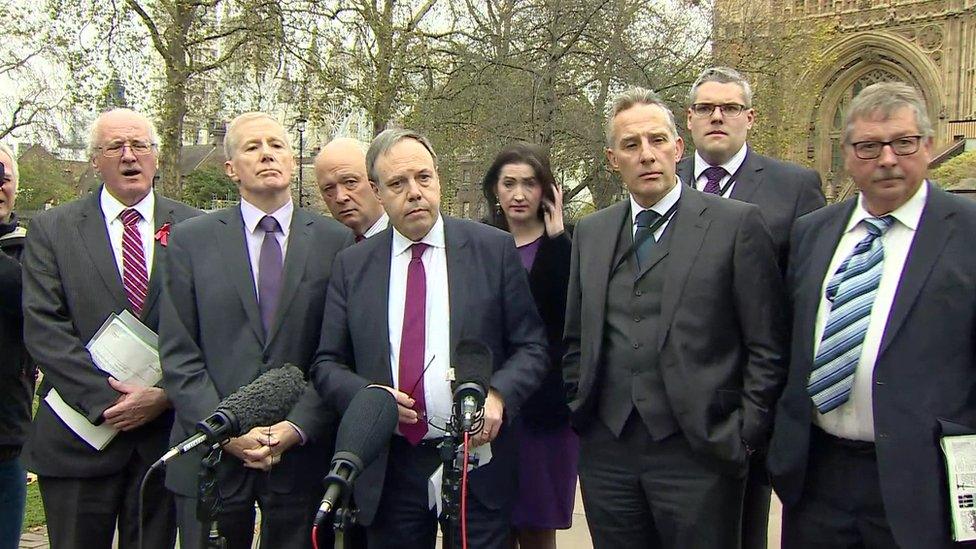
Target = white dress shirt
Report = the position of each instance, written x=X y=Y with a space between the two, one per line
x=731 y=166
x=855 y=418
x=255 y=235
x=661 y=208
x=437 y=330
x=112 y=209
x=378 y=227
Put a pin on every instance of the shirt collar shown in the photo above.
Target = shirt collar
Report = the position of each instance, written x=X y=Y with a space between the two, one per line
x=112 y=208
x=661 y=207
x=378 y=227
x=731 y=166
x=252 y=216
x=908 y=214
x=434 y=237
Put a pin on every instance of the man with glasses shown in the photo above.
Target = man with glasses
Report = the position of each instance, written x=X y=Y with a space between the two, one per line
x=340 y=169
x=84 y=261
x=884 y=342
x=720 y=116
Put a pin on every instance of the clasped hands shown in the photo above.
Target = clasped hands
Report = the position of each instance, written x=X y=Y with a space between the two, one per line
x=262 y=447
x=494 y=412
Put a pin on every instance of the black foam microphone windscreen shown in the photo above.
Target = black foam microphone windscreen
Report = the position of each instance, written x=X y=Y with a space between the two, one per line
x=472 y=364
x=367 y=424
x=266 y=400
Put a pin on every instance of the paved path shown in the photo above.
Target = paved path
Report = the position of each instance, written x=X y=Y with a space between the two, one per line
x=577 y=537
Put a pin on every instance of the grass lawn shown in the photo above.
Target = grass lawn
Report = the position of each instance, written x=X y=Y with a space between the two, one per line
x=34 y=513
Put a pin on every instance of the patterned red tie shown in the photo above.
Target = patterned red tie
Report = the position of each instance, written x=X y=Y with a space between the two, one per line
x=412 y=344
x=135 y=279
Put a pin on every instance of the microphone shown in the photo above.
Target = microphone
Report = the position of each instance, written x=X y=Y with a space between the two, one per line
x=364 y=431
x=264 y=401
x=472 y=381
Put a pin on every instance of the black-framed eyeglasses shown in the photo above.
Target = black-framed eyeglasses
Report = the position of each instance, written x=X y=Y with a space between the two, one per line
x=730 y=110
x=903 y=146
x=138 y=148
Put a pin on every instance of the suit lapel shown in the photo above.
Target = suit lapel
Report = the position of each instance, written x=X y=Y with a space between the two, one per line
x=749 y=178
x=685 y=171
x=162 y=213
x=94 y=234
x=935 y=229
x=237 y=264
x=376 y=297
x=689 y=227
x=299 y=243
x=459 y=262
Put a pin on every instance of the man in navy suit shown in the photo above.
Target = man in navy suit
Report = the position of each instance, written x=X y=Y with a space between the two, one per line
x=720 y=115
x=884 y=342
x=397 y=306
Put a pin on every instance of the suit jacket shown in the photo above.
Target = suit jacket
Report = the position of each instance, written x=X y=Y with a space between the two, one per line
x=212 y=341
x=490 y=302
x=721 y=336
x=925 y=371
x=783 y=191
x=71 y=285
x=548 y=280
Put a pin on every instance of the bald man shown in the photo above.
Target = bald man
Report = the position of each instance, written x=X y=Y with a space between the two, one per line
x=340 y=169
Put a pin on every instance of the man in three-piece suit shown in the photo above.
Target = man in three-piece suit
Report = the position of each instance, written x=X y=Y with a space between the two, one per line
x=674 y=333
x=720 y=115
x=884 y=342
x=84 y=261
x=244 y=293
x=398 y=305
x=340 y=170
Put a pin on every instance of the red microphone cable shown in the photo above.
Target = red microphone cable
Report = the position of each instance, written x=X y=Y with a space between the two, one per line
x=315 y=536
x=464 y=494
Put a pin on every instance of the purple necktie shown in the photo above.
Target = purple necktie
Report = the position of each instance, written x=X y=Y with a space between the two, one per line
x=269 y=272
x=713 y=175
x=412 y=343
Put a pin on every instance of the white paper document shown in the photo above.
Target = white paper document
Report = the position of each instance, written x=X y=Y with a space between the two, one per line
x=479 y=457
x=960 y=458
x=125 y=349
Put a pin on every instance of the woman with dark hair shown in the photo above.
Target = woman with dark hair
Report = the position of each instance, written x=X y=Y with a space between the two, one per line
x=527 y=202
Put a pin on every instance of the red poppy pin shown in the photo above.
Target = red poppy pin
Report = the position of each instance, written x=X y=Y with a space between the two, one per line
x=162 y=235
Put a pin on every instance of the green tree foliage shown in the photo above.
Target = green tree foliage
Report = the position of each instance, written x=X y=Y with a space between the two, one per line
x=205 y=184
x=43 y=181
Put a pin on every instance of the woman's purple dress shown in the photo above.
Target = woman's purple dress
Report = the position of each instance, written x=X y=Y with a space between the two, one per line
x=547 y=463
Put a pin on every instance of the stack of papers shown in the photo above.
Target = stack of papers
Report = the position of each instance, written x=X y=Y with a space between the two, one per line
x=125 y=349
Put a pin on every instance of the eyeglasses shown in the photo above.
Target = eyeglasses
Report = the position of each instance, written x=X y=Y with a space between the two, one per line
x=138 y=148
x=903 y=146
x=730 y=110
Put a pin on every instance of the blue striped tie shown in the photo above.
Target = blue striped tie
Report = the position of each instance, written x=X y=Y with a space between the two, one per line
x=851 y=292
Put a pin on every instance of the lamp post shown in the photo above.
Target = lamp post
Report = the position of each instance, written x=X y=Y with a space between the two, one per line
x=300 y=126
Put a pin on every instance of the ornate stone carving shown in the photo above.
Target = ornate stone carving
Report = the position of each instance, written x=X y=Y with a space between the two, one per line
x=930 y=38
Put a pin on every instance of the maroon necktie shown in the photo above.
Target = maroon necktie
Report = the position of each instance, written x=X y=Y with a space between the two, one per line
x=360 y=238
x=412 y=343
x=135 y=279
x=713 y=175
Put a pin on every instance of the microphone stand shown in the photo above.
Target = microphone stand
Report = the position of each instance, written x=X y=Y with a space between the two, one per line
x=209 y=502
x=452 y=456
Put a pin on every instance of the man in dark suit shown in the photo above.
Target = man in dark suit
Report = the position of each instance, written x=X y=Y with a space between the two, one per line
x=674 y=333
x=340 y=170
x=720 y=115
x=398 y=305
x=884 y=342
x=244 y=293
x=84 y=261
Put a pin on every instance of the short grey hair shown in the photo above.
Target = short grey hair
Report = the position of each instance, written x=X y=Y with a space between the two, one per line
x=93 y=144
x=231 y=139
x=722 y=75
x=14 y=170
x=632 y=97
x=385 y=141
x=885 y=98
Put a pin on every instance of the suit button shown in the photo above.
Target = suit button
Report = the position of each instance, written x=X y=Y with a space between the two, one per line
x=638 y=318
x=637 y=345
x=882 y=435
x=638 y=293
x=879 y=382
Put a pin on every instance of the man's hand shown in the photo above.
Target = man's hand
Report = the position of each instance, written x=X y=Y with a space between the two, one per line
x=404 y=405
x=274 y=441
x=494 y=411
x=248 y=441
x=136 y=406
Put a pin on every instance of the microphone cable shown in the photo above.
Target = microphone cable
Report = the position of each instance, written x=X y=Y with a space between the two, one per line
x=142 y=496
x=464 y=493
